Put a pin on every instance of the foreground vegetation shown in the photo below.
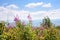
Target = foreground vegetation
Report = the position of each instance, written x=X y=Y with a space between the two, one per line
x=46 y=31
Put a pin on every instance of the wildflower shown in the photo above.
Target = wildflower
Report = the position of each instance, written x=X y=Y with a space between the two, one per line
x=41 y=28
x=16 y=18
x=9 y=26
x=23 y=23
x=29 y=17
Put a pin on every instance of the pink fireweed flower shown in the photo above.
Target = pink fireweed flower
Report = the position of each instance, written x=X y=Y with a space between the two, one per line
x=9 y=26
x=16 y=18
x=29 y=18
x=41 y=28
x=23 y=23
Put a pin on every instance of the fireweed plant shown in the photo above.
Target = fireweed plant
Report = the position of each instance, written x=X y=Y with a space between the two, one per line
x=22 y=31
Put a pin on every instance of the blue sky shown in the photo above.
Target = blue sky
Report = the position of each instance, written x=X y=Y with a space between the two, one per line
x=21 y=3
x=38 y=9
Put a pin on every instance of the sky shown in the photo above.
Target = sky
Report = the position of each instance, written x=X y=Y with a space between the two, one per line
x=38 y=9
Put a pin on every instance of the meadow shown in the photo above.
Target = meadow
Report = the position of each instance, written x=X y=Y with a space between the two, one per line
x=22 y=31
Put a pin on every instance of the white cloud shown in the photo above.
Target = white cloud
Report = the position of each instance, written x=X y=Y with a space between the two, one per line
x=6 y=13
x=32 y=5
x=12 y=6
x=42 y=4
x=52 y=14
x=47 y=5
